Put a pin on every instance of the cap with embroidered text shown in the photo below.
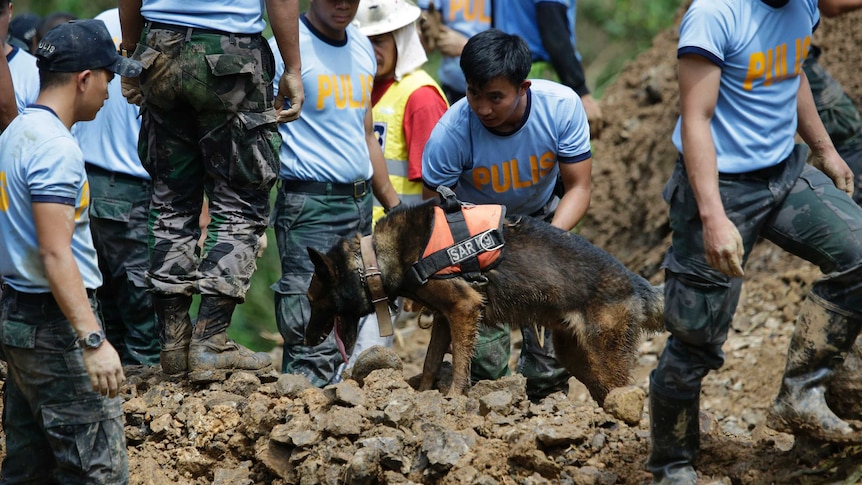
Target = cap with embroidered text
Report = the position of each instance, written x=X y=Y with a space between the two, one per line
x=79 y=45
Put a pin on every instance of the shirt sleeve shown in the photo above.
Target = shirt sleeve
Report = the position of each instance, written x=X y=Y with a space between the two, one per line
x=574 y=144
x=705 y=30
x=51 y=176
x=445 y=156
x=424 y=108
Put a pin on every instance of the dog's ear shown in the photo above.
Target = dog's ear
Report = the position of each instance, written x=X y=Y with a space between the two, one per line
x=323 y=265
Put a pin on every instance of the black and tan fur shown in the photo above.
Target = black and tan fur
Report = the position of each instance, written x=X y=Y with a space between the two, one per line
x=596 y=308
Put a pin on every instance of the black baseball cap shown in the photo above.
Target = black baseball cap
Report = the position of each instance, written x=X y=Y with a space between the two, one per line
x=78 y=45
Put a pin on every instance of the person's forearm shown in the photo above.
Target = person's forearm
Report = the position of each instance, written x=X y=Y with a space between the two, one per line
x=577 y=182
x=552 y=18
x=131 y=23
x=284 y=20
x=809 y=125
x=380 y=183
x=8 y=105
x=832 y=8
x=702 y=167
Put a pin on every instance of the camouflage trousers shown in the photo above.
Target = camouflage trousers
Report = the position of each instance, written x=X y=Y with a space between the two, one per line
x=318 y=221
x=536 y=362
x=795 y=206
x=839 y=114
x=118 y=220
x=208 y=127
x=58 y=430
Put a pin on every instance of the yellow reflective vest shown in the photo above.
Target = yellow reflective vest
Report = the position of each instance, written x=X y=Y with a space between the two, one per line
x=388 y=116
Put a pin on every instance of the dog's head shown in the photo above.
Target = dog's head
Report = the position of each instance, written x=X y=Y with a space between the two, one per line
x=337 y=302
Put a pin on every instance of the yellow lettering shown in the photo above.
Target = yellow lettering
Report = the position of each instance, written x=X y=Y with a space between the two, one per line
x=85 y=201
x=547 y=162
x=769 y=67
x=324 y=90
x=534 y=168
x=481 y=177
x=341 y=93
x=4 y=195
x=500 y=177
x=516 y=179
x=756 y=69
x=354 y=103
x=456 y=6
x=480 y=8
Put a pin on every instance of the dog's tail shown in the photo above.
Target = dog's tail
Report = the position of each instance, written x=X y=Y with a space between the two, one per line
x=654 y=308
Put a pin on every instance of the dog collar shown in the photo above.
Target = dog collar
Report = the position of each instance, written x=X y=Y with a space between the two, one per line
x=373 y=279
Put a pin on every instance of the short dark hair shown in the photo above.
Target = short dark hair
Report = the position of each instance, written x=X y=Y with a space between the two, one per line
x=50 y=79
x=494 y=53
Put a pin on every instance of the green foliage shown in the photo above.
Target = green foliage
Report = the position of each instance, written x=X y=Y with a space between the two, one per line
x=635 y=21
x=80 y=9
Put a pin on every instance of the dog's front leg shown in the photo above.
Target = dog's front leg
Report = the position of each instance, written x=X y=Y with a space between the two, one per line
x=437 y=347
x=463 y=329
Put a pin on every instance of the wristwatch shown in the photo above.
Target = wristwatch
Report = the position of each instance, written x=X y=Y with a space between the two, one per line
x=92 y=340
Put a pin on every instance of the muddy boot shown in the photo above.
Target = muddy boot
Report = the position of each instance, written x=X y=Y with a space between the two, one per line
x=175 y=331
x=822 y=336
x=211 y=350
x=675 y=432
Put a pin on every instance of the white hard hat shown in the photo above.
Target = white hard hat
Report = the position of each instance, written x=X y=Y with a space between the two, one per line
x=377 y=17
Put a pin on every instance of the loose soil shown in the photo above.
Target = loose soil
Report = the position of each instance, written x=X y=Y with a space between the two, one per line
x=275 y=429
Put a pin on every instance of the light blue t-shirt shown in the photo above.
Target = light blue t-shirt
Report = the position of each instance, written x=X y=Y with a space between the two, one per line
x=41 y=162
x=518 y=170
x=519 y=17
x=236 y=16
x=25 y=77
x=760 y=50
x=111 y=139
x=468 y=17
x=327 y=142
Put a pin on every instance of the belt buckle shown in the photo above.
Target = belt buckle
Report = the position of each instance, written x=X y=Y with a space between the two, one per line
x=360 y=188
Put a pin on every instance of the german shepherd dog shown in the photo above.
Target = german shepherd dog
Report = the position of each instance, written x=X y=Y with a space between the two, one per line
x=596 y=309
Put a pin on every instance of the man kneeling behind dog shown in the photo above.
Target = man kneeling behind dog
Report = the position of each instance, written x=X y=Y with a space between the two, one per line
x=510 y=142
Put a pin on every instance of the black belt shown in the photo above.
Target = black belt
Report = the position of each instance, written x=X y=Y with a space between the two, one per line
x=115 y=175
x=356 y=189
x=762 y=174
x=35 y=299
x=189 y=31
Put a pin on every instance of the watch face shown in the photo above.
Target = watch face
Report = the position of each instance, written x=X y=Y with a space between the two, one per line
x=91 y=340
x=94 y=339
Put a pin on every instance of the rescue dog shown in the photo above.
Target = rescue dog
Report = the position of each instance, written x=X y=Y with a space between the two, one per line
x=596 y=309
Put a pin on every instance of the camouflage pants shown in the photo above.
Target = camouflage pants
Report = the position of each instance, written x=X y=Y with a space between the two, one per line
x=839 y=114
x=317 y=221
x=208 y=127
x=537 y=362
x=58 y=430
x=118 y=219
x=795 y=206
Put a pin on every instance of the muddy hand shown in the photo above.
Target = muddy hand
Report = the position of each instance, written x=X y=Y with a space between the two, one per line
x=290 y=83
x=131 y=89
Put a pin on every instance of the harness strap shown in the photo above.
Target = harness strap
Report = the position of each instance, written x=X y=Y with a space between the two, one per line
x=470 y=269
x=374 y=283
x=467 y=249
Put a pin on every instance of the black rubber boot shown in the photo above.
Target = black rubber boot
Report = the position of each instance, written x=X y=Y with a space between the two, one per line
x=675 y=432
x=210 y=348
x=822 y=336
x=175 y=331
